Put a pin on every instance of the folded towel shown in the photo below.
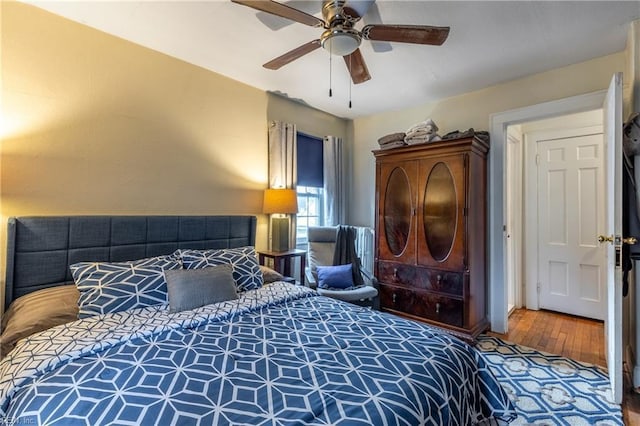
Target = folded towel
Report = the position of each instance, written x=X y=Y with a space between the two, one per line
x=418 y=133
x=427 y=125
x=422 y=139
x=458 y=134
x=391 y=145
x=393 y=137
x=423 y=132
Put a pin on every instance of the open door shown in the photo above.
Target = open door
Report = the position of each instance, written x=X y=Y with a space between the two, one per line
x=612 y=110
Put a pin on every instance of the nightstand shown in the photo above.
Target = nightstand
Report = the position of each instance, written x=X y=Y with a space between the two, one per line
x=282 y=261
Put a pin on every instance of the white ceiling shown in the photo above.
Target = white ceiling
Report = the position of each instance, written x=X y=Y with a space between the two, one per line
x=489 y=43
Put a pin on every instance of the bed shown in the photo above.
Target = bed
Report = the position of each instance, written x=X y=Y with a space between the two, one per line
x=273 y=353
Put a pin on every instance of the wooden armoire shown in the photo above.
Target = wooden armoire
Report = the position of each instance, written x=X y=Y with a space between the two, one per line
x=431 y=233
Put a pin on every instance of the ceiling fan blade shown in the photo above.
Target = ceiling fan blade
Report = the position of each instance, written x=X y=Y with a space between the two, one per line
x=283 y=11
x=373 y=17
x=292 y=55
x=357 y=68
x=275 y=23
x=419 y=34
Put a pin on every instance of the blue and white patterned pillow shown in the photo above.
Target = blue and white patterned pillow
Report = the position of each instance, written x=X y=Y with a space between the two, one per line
x=246 y=270
x=107 y=287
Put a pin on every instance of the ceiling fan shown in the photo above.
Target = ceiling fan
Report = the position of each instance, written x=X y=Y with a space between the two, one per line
x=340 y=37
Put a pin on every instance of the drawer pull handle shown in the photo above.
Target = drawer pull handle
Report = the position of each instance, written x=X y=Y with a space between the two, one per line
x=395 y=274
x=394 y=298
x=437 y=308
x=439 y=278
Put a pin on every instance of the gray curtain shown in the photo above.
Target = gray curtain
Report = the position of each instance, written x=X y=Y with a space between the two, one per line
x=334 y=182
x=282 y=163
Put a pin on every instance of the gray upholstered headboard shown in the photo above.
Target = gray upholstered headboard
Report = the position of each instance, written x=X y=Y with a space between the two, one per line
x=40 y=249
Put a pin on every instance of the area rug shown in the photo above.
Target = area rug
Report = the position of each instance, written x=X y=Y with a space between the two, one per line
x=549 y=389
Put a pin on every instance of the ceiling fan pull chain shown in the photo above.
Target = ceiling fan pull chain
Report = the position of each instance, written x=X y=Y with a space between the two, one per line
x=330 y=69
x=350 y=82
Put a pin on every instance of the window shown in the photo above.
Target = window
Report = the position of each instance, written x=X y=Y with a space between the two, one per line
x=310 y=183
x=310 y=210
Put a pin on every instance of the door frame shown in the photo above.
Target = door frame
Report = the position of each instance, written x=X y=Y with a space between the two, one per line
x=515 y=227
x=532 y=266
x=498 y=291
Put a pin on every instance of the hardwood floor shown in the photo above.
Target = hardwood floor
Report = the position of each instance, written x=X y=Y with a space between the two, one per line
x=570 y=336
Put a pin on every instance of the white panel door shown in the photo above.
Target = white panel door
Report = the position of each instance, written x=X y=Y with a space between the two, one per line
x=612 y=110
x=571 y=262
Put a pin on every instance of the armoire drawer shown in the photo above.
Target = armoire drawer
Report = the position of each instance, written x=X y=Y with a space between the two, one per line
x=422 y=304
x=440 y=281
x=420 y=278
x=397 y=273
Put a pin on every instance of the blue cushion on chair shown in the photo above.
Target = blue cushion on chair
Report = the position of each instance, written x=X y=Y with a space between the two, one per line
x=338 y=277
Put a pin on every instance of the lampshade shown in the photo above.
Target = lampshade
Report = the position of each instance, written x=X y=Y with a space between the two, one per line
x=282 y=200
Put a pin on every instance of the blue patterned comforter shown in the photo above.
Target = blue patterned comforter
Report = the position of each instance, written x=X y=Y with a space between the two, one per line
x=279 y=355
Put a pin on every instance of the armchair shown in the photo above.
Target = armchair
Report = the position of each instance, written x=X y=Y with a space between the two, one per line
x=324 y=250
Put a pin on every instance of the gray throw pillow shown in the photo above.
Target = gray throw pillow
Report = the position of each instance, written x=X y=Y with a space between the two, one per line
x=192 y=288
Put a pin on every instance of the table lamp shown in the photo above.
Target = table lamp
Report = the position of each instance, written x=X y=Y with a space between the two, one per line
x=281 y=202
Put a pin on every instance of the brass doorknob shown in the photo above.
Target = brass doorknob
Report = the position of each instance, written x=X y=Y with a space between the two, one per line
x=628 y=240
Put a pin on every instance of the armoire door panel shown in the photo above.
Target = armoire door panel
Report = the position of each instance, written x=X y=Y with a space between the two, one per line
x=396 y=211
x=441 y=212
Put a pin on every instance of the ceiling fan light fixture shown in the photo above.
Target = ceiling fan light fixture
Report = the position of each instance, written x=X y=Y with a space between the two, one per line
x=340 y=41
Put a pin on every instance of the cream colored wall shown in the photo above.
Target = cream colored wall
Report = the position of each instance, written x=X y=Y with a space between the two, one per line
x=307 y=119
x=93 y=124
x=469 y=110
